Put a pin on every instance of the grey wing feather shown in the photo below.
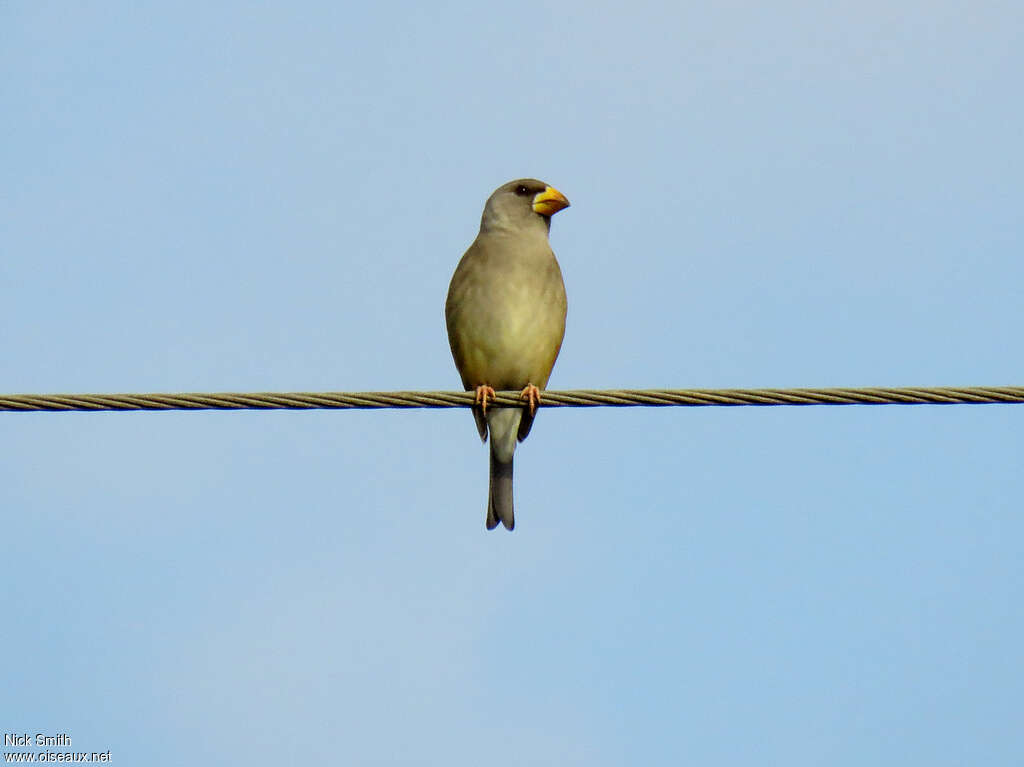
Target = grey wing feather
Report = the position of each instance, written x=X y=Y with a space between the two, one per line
x=481 y=423
x=525 y=424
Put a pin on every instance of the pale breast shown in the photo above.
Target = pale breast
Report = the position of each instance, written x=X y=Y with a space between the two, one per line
x=506 y=317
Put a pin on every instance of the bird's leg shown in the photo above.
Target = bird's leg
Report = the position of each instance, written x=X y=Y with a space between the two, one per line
x=483 y=392
x=532 y=395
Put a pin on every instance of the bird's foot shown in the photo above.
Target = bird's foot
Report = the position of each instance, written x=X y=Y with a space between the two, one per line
x=483 y=393
x=532 y=395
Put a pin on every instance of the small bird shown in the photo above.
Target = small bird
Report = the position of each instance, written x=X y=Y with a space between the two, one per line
x=506 y=319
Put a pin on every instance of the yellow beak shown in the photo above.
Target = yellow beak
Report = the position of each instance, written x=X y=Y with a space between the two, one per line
x=549 y=202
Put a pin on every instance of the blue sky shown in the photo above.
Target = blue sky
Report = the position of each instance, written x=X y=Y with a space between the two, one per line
x=251 y=197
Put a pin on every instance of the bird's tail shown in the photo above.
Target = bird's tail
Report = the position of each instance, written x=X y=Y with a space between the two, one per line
x=503 y=424
x=499 y=501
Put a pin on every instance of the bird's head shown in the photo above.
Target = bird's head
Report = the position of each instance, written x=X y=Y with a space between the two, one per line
x=521 y=205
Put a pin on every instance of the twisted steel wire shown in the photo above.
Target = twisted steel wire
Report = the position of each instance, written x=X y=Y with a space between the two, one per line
x=943 y=395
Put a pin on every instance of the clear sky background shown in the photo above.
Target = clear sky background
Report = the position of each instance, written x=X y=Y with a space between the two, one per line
x=252 y=196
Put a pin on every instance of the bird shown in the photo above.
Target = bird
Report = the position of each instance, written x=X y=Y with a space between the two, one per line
x=505 y=313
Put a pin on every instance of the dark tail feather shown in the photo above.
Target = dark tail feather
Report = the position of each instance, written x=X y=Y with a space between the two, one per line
x=499 y=501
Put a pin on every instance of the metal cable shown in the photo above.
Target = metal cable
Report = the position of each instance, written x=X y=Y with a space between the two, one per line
x=967 y=395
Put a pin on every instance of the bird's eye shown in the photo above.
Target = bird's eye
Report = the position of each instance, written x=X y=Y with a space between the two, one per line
x=522 y=190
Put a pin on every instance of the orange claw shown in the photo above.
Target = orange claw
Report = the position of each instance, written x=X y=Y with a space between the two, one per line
x=532 y=395
x=483 y=392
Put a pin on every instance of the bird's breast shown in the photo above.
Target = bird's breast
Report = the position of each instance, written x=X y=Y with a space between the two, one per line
x=506 y=321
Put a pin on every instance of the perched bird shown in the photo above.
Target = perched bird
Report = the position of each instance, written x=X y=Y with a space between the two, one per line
x=506 y=319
